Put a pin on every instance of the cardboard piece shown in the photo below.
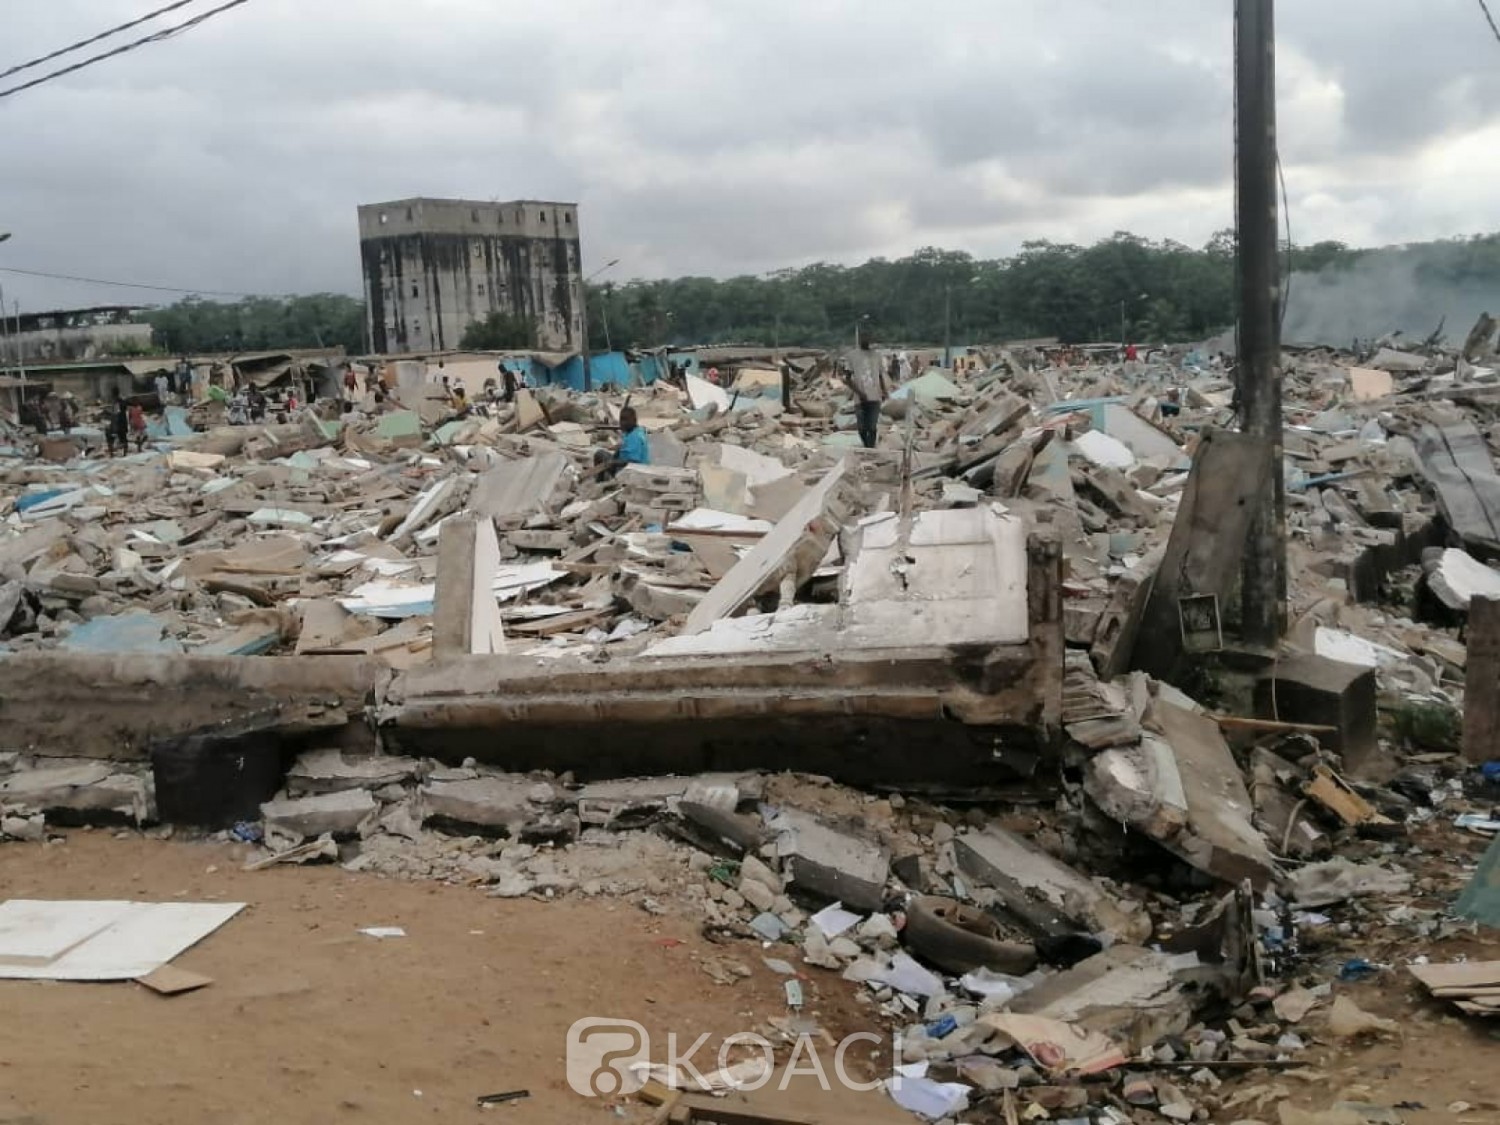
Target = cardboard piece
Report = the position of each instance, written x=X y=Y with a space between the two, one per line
x=171 y=981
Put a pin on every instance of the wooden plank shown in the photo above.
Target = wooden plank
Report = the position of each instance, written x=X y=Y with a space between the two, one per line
x=573 y=622
x=1481 y=700
x=1207 y=542
x=806 y=526
x=1457 y=463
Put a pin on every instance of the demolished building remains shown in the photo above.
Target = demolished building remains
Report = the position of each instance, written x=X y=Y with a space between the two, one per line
x=963 y=718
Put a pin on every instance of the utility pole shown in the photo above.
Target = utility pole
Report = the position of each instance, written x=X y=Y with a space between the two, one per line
x=583 y=310
x=1263 y=595
x=948 y=327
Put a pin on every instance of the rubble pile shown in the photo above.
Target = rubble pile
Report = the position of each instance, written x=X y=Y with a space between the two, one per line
x=1182 y=898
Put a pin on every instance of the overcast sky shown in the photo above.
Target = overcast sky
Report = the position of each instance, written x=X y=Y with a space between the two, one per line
x=719 y=136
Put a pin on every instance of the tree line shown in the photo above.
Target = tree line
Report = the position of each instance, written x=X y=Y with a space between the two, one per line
x=1122 y=287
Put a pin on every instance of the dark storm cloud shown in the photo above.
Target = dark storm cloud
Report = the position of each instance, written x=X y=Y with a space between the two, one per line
x=724 y=137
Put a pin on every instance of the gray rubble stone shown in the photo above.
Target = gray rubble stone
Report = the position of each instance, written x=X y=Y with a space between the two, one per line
x=31 y=829
x=753 y=870
x=757 y=895
x=828 y=863
x=338 y=814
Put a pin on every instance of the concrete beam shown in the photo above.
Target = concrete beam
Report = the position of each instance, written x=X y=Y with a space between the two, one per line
x=466 y=617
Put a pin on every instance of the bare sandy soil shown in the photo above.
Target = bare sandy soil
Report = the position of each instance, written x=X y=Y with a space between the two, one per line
x=310 y=1021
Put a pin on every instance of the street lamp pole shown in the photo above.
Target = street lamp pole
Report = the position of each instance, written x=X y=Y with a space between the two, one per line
x=583 y=303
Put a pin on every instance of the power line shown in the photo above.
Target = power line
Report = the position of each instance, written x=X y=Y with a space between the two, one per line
x=94 y=39
x=1485 y=8
x=155 y=37
x=127 y=284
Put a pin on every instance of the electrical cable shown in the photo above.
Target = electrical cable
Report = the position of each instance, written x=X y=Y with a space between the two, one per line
x=82 y=43
x=155 y=37
x=1485 y=8
x=1286 y=216
x=128 y=284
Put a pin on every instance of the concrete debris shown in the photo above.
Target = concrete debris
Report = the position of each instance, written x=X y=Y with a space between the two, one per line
x=1005 y=638
x=337 y=814
x=830 y=863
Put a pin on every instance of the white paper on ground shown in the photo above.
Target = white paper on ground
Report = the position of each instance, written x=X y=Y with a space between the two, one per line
x=383 y=932
x=929 y=1099
x=85 y=940
x=835 y=920
x=905 y=975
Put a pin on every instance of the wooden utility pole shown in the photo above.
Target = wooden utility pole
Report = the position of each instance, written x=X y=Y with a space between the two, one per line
x=1263 y=600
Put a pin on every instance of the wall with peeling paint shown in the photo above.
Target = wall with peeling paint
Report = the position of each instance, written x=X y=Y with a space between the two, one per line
x=434 y=266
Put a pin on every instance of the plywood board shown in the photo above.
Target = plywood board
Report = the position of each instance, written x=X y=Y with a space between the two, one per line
x=85 y=940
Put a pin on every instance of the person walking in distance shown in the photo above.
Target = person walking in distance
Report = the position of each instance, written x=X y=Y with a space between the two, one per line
x=863 y=370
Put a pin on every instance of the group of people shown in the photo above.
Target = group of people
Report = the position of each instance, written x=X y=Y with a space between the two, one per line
x=175 y=385
x=55 y=412
x=127 y=423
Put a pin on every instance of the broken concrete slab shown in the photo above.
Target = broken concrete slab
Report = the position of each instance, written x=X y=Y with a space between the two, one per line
x=1140 y=786
x=1129 y=994
x=339 y=814
x=1051 y=900
x=331 y=770
x=1219 y=838
x=792 y=551
x=1456 y=578
x=92 y=793
x=490 y=806
x=518 y=489
x=830 y=863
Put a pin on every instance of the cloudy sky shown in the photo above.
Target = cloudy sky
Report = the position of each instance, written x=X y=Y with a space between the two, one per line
x=718 y=136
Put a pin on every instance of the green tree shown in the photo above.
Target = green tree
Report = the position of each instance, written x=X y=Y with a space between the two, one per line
x=498 y=332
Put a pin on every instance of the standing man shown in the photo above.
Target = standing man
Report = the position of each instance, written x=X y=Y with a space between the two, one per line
x=865 y=374
x=163 y=392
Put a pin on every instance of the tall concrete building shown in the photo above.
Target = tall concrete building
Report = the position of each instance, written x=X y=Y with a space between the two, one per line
x=432 y=267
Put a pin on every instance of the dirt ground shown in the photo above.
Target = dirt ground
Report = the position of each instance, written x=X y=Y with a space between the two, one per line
x=310 y=1021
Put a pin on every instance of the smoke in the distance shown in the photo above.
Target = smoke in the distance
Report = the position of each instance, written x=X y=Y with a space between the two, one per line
x=1409 y=289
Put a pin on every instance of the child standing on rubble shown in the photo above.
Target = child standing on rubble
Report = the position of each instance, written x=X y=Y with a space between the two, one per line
x=138 y=426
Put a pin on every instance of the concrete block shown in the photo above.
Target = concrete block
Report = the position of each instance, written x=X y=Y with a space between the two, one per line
x=334 y=771
x=339 y=814
x=1324 y=692
x=826 y=862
